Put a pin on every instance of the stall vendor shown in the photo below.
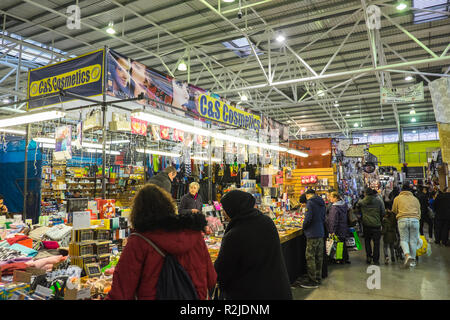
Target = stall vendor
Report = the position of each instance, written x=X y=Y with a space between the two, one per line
x=3 y=208
x=192 y=201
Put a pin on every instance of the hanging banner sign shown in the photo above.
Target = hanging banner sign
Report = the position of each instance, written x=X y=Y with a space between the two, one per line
x=217 y=110
x=82 y=75
x=138 y=126
x=409 y=94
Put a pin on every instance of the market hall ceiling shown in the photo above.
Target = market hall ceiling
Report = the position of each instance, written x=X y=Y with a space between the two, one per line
x=282 y=80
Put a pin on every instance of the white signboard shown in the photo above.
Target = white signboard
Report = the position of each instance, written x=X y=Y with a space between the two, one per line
x=409 y=94
x=81 y=220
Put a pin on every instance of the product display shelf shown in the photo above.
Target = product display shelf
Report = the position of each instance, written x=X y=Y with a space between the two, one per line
x=322 y=173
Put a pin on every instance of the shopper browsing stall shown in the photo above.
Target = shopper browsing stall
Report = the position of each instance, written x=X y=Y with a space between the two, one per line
x=422 y=195
x=337 y=221
x=153 y=216
x=313 y=227
x=407 y=210
x=191 y=202
x=372 y=211
x=250 y=264
x=442 y=219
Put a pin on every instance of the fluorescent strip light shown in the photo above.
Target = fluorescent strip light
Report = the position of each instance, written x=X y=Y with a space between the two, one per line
x=206 y=159
x=298 y=153
x=91 y=145
x=117 y=141
x=44 y=140
x=272 y=147
x=12 y=131
x=48 y=145
x=226 y=137
x=326 y=153
x=116 y=153
x=170 y=123
x=31 y=117
x=161 y=153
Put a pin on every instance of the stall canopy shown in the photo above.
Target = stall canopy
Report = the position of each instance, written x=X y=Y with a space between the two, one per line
x=107 y=75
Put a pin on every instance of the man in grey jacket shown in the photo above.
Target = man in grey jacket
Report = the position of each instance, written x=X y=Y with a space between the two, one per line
x=164 y=178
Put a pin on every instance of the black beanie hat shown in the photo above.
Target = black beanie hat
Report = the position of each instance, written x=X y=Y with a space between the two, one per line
x=236 y=203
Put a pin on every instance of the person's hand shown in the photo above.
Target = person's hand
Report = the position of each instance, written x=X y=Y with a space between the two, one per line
x=195 y=211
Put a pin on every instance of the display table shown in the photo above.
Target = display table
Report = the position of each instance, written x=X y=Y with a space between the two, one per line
x=293 y=247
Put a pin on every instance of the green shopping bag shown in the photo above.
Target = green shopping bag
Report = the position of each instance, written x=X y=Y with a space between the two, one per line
x=339 y=250
x=358 y=244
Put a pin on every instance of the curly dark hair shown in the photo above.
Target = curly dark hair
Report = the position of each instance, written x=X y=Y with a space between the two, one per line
x=151 y=204
x=154 y=208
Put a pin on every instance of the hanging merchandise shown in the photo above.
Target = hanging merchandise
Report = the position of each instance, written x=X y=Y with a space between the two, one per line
x=241 y=153
x=229 y=155
x=165 y=133
x=120 y=123
x=138 y=126
x=63 y=146
x=93 y=121
x=155 y=132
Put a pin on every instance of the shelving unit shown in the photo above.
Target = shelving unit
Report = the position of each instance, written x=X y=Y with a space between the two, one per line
x=322 y=173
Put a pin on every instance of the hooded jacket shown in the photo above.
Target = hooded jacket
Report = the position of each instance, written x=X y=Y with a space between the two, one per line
x=189 y=202
x=162 y=180
x=250 y=264
x=313 y=224
x=389 y=230
x=372 y=210
x=442 y=206
x=139 y=266
x=336 y=220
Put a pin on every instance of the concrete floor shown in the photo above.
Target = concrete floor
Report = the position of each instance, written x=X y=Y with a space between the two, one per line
x=429 y=280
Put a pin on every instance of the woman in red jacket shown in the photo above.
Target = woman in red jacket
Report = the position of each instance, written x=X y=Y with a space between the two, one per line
x=154 y=216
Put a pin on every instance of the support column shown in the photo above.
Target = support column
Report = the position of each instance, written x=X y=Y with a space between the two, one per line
x=25 y=174
x=401 y=146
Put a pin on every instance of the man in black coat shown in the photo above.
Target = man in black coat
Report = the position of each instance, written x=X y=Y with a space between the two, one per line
x=442 y=218
x=164 y=178
x=422 y=195
x=250 y=264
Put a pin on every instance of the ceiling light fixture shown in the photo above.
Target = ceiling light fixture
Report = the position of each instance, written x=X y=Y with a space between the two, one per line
x=157 y=152
x=44 y=140
x=401 y=6
x=303 y=129
x=206 y=159
x=110 y=29
x=244 y=97
x=347 y=114
x=409 y=78
x=413 y=119
x=320 y=93
x=117 y=141
x=412 y=111
x=336 y=104
x=6 y=100
x=280 y=38
x=31 y=117
x=229 y=1
x=115 y=153
x=414 y=131
x=355 y=125
x=298 y=153
x=13 y=131
x=170 y=123
x=182 y=66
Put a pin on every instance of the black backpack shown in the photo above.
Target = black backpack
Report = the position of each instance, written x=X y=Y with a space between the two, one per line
x=174 y=283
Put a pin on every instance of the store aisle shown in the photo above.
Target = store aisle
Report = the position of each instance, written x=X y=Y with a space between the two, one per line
x=429 y=280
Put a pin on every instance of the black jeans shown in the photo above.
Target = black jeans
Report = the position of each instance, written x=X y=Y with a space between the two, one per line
x=372 y=234
x=441 y=228
x=428 y=221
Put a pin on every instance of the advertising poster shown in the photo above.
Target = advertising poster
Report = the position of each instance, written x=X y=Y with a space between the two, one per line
x=128 y=78
x=82 y=75
x=138 y=126
x=409 y=94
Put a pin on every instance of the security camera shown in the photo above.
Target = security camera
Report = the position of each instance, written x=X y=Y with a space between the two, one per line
x=239 y=14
